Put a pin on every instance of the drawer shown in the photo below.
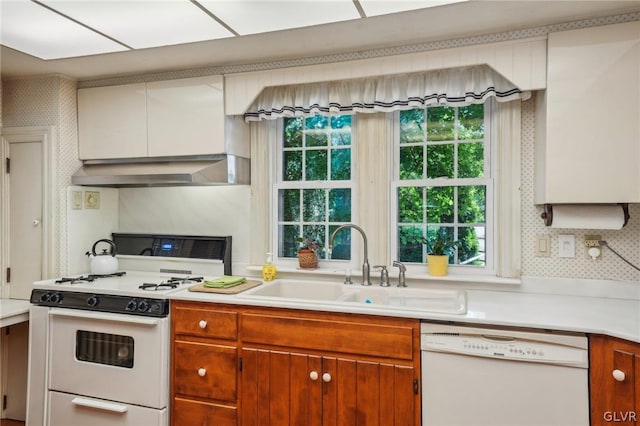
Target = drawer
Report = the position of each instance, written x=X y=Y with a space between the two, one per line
x=204 y=322
x=205 y=371
x=188 y=412
x=374 y=338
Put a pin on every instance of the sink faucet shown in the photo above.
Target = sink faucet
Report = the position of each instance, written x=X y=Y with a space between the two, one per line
x=366 y=269
x=401 y=273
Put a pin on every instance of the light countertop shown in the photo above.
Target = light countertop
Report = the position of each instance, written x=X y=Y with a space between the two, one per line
x=13 y=311
x=599 y=311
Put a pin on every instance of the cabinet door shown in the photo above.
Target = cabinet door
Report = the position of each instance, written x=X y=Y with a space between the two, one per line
x=186 y=117
x=112 y=122
x=614 y=381
x=284 y=388
x=593 y=103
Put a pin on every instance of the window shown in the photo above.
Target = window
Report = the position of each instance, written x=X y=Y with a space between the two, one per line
x=443 y=182
x=314 y=185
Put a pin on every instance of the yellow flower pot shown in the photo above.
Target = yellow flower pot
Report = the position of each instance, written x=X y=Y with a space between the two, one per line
x=437 y=265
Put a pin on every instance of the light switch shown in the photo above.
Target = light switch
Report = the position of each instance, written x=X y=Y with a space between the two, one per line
x=567 y=245
x=543 y=245
x=76 y=200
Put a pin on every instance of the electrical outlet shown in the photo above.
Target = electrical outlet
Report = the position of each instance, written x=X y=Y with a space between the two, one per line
x=592 y=240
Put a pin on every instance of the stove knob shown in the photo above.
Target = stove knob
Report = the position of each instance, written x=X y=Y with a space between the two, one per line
x=46 y=297
x=93 y=301
x=55 y=298
x=143 y=306
x=132 y=305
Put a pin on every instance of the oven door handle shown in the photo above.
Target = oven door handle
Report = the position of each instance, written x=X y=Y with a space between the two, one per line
x=129 y=319
x=100 y=405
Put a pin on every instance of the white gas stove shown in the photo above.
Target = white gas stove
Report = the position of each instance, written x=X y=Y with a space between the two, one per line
x=99 y=344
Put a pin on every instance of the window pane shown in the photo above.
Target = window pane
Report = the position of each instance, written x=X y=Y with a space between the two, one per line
x=471 y=160
x=316 y=233
x=410 y=248
x=440 y=161
x=316 y=122
x=340 y=205
x=440 y=124
x=472 y=201
x=472 y=248
x=288 y=237
x=316 y=139
x=340 y=139
x=447 y=231
x=341 y=244
x=411 y=162
x=471 y=122
x=412 y=126
x=292 y=132
x=410 y=204
x=316 y=165
x=340 y=164
x=289 y=210
x=292 y=165
x=341 y=122
x=314 y=205
x=440 y=204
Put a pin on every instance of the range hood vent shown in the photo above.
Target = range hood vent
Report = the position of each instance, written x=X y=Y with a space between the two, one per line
x=167 y=171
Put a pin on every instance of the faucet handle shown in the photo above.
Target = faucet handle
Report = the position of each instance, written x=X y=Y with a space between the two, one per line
x=384 y=275
x=401 y=273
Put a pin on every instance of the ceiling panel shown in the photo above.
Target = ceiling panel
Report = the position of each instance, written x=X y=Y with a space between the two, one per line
x=380 y=7
x=30 y=28
x=142 y=24
x=260 y=16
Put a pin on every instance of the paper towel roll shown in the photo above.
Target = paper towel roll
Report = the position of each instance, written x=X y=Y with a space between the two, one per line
x=574 y=216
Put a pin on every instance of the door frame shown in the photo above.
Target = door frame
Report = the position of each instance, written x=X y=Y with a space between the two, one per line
x=47 y=137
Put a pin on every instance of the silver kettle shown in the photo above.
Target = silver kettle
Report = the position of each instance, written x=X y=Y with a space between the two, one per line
x=103 y=263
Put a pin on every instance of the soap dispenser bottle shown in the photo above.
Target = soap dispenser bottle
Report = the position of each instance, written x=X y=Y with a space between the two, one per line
x=269 y=269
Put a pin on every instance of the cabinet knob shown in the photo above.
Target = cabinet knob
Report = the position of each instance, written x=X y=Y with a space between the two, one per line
x=326 y=377
x=202 y=324
x=313 y=375
x=202 y=372
x=618 y=375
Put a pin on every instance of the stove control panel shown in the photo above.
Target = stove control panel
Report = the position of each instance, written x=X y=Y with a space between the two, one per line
x=101 y=302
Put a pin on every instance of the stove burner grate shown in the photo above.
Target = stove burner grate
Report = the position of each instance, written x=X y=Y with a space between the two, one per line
x=157 y=287
x=87 y=279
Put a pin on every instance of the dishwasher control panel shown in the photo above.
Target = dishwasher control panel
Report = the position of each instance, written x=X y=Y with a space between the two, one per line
x=528 y=347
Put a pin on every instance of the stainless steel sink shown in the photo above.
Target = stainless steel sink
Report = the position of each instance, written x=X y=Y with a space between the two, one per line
x=416 y=299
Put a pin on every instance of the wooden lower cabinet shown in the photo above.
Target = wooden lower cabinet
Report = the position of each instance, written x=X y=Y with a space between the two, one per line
x=270 y=367
x=614 y=381
x=285 y=388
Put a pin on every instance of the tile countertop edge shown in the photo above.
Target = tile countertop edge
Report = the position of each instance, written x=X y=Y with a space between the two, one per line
x=593 y=315
x=13 y=311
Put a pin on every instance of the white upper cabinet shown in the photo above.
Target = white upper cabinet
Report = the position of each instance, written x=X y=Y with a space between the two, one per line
x=167 y=118
x=589 y=151
x=112 y=122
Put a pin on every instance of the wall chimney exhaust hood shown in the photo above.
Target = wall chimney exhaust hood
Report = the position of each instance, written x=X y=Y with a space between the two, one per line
x=167 y=171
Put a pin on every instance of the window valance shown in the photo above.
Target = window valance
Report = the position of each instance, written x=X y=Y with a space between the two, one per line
x=453 y=86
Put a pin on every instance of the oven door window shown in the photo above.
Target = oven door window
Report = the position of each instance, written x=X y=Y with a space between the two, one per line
x=103 y=348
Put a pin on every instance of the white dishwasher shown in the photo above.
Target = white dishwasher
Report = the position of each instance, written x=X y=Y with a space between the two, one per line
x=499 y=377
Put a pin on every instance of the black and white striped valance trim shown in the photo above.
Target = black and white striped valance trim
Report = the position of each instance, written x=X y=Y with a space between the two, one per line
x=455 y=86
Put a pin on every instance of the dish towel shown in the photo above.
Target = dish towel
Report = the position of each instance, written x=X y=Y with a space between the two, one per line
x=224 y=281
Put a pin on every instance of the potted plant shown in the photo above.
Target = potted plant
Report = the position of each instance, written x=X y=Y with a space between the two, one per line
x=438 y=250
x=308 y=253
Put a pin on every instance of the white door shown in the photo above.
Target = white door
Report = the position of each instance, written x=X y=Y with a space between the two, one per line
x=25 y=217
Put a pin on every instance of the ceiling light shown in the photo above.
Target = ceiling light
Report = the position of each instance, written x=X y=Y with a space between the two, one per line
x=382 y=7
x=259 y=16
x=30 y=28
x=142 y=24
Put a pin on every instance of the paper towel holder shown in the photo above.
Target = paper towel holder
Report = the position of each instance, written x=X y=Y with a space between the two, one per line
x=547 y=214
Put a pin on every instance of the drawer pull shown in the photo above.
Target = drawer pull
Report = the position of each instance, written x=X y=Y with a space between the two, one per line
x=619 y=375
x=313 y=375
x=202 y=324
x=202 y=372
x=100 y=405
x=326 y=377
